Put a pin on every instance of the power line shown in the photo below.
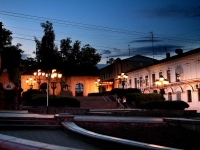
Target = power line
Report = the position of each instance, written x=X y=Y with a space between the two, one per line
x=82 y=25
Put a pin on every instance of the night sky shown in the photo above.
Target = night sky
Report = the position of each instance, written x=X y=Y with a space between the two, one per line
x=146 y=27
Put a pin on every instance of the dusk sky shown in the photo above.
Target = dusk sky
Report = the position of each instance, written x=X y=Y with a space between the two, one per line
x=110 y=26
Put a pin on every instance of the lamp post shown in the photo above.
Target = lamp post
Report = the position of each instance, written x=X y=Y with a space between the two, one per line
x=98 y=84
x=122 y=79
x=55 y=76
x=161 y=82
x=30 y=82
x=37 y=75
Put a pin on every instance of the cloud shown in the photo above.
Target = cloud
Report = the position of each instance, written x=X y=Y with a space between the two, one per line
x=158 y=50
x=106 y=51
x=173 y=11
x=144 y=41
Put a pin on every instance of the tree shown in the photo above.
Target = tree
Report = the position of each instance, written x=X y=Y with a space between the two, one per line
x=11 y=59
x=112 y=61
x=6 y=37
x=71 y=56
x=47 y=55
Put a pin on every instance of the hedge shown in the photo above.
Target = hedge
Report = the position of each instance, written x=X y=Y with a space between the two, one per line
x=168 y=105
x=122 y=92
x=57 y=101
x=139 y=98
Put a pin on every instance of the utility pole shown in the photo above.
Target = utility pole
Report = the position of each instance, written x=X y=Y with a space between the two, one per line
x=1 y=36
x=152 y=43
x=1 y=44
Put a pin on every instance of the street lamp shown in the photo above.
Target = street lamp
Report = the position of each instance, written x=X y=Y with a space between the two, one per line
x=98 y=84
x=30 y=82
x=122 y=79
x=55 y=76
x=37 y=75
x=161 y=82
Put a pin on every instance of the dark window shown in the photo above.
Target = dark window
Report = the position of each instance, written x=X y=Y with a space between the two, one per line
x=189 y=95
x=160 y=74
x=170 y=96
x=153 y=79
x=198 y=94
x=140 y=81
x=147 y=80
x=135 y=80
x=169 y=76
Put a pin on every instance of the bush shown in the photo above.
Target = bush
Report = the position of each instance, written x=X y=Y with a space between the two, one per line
x=122 y=92
x=139 y=98
x=27 y=96
x=57 y=101
x=168 y=105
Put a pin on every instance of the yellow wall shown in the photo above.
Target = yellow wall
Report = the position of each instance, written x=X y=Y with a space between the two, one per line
x=88 y=82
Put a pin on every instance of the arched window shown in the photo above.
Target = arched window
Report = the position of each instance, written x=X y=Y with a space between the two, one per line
x=178 y=73
x=178 y=95
x=170 y=96
x=79 y=89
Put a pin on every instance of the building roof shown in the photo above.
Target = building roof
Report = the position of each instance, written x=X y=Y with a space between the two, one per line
x=136 y=58
x=140 y=58
x=178 y=56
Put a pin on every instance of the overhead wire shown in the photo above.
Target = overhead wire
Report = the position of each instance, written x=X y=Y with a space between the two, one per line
x=87 y=26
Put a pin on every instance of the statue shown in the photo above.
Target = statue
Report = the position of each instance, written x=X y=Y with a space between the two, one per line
x=64 y=85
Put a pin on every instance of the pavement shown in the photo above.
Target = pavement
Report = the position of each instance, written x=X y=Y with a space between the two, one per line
x=62 y=138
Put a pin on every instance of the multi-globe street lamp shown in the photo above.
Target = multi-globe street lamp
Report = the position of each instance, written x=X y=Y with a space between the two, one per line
x=54 y=75
x=122 y=79
x=38 y=76
x=161 y=83
x=30 y=82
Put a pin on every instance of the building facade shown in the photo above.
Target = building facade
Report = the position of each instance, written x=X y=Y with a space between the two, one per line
x=77 y=85
x=182 y=71
x=109 y=74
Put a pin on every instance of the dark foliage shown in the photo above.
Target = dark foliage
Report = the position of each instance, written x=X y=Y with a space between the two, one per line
x=122 y=92
x=139 y=98
x=27 y=96
x=56 y=101
x=168 y=105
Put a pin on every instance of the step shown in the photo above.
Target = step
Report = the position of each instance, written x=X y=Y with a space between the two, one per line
x=24 y=126
x=35 y=122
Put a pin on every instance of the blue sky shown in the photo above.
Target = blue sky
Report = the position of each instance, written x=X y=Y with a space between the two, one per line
x=111 y=26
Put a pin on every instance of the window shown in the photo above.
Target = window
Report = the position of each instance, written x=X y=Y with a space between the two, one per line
x=140 y=81
x=178 y=73
x=130 y=82
x=135 y=81
x=198 y=91
x=146 y=80
x=189 y=95
x=178 y=95
x=178 y=77
x=170 y=96
x=169 y=76
x=160 y=74
x=153 y=79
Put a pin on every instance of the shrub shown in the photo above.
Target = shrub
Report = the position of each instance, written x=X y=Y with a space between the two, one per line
x=27 y=96
x=168 y=105
x=122 y=92
x=57 y=101
x=139 y=98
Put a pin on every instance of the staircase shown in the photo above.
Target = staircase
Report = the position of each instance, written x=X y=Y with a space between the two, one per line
x=29 y=123
x=97 y=102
